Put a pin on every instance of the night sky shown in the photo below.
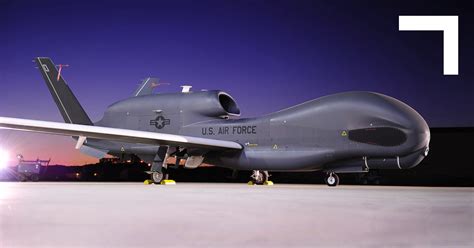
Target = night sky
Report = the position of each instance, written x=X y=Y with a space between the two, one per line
x=268 y=55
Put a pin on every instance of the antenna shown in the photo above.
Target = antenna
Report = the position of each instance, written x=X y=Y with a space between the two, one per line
x=154 y=85
x=186 y=88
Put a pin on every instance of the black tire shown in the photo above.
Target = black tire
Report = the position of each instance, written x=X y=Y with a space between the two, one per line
x=265 y=176
x=157 y=177
x=332 y=180
x=261 y=179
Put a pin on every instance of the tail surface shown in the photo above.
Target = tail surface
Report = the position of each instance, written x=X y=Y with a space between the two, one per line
x=146 y=87
x=68 y=105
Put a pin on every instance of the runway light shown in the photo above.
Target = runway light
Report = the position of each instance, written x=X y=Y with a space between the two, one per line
x=4 y=158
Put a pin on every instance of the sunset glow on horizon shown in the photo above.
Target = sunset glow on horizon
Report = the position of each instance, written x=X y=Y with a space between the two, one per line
x=59 y=149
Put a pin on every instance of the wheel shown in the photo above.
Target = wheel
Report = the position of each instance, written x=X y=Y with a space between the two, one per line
x=22 y=178
x=332 y=180
x=265 y=176
x=34 y=177
x=157 y=177
x=260 y=177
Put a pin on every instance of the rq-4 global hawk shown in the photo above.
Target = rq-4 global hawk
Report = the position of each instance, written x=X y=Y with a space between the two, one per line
x=348 y=132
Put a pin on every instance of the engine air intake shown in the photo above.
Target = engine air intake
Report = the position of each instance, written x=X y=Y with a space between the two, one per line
x=229 y=105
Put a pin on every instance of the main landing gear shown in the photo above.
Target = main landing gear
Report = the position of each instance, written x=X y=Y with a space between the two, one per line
x=332 y=180
x=159 y=165
x=260 y=177
x=157 y=177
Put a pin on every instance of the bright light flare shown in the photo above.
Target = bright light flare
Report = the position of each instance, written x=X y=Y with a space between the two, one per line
x=4 y=159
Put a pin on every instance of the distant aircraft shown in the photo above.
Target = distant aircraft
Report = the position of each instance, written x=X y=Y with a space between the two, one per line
x=348 y=132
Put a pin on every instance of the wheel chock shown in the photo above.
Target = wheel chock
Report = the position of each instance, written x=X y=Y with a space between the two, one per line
x=148 y=182
x=168 y=182
x=266 y=183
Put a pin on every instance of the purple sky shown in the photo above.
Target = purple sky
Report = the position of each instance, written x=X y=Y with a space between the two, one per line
x=267 y=54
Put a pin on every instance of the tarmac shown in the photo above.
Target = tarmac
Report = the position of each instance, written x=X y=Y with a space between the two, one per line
x=233 y=215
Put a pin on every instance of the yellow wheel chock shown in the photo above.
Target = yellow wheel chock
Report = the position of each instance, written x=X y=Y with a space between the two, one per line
x=164 y=182
x=148 y=182
x=266 y=183
x=168 y=182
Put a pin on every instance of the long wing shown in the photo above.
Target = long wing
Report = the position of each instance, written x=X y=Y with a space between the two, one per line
x=115 y=134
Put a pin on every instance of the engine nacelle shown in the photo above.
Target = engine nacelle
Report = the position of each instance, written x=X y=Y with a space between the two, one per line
x=192 y=106
x=211 y=104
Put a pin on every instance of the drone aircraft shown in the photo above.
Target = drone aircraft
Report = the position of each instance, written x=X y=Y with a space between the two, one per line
x=349 y=132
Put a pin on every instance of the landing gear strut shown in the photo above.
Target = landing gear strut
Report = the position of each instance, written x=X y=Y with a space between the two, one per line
x=159 y=164
x=332 y=180
x=260 y=177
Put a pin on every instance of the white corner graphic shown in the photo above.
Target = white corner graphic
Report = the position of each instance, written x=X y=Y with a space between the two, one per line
x=449 y=26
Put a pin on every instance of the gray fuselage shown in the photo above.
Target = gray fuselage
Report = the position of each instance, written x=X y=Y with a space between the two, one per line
x=345 y=132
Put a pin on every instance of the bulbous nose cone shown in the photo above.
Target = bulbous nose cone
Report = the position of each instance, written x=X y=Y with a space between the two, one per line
x=399 y=115
x=412 y=123
x=418 y=139
x=382 y=127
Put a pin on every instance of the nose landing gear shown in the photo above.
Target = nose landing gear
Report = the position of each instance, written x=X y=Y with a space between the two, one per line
x=332 y=180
